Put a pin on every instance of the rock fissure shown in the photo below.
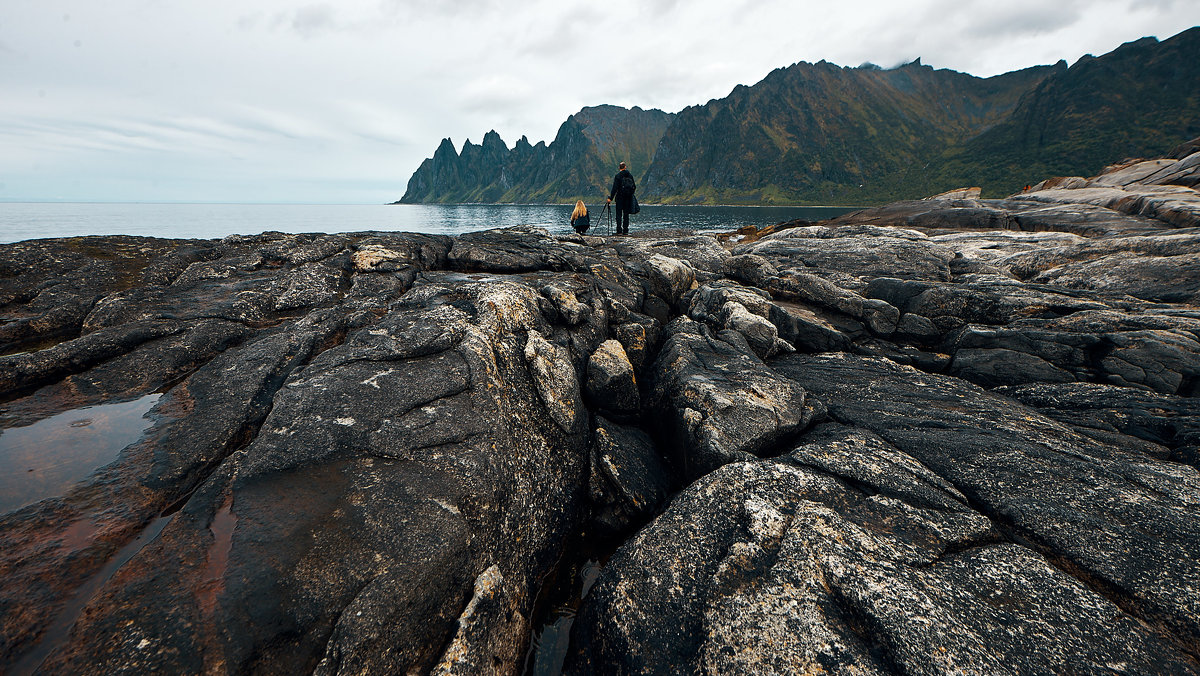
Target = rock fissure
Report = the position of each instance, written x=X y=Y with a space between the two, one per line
x=1128 y=602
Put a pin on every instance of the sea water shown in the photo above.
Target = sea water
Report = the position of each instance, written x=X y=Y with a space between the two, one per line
x=22 y=221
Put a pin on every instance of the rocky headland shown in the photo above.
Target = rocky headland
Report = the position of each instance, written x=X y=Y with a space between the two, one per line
x=942 y=436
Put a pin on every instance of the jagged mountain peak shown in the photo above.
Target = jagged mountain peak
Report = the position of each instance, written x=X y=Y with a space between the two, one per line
x=492 y=140
x=578 y=163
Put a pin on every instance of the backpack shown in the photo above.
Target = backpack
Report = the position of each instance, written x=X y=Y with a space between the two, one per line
x=627 y=185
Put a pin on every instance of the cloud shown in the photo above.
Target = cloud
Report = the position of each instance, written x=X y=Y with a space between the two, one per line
x=463 y=10
x=310 y=20
x=663 y=7
x=578 y=30
x=494 y=91
x=1018 y=18
x=274 y=91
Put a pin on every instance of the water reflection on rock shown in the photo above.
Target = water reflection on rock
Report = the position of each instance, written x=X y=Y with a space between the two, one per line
x=46 y=458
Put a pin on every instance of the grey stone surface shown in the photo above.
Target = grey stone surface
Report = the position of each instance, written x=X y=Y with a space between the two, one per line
x=611 y=381
x=847 y=556
x=717 y=404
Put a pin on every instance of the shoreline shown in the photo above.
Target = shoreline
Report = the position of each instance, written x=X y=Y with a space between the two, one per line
x=644 y=204
x=441 y=416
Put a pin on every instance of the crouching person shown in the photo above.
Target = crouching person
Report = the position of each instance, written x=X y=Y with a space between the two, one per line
x=579 y=218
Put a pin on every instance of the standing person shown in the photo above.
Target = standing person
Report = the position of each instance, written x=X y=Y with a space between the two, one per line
x=622 y=189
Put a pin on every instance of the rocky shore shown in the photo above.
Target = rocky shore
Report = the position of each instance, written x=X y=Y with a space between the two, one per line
x=943 y=436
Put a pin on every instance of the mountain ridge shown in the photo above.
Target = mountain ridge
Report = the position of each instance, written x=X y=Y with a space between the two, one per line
x=819 y=133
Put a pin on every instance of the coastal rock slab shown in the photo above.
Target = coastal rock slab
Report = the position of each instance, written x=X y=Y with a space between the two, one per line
x=629 y=480
x=1080 y=503
x=847 y=556
x=611 y=381
x=1166 y=426
x=280 y=464
x=718 y=403
x=845 y=255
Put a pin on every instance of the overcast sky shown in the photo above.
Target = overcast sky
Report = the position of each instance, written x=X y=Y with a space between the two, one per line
x=340 y=101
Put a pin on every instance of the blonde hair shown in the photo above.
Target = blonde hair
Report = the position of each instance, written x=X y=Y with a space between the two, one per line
x=580 y=210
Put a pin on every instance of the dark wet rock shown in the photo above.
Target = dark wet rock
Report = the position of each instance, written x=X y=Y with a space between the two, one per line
x=1119 y=416
x=907 y=355
x=611 y=381
x=809 y=330
x=555 y=381
x=639 y=337
x=148 y=367
x=47 y=287
x=866 y=314
x=1174 y=206
x=1171 y=279
x=628 y=480
x=392 y=254
x=916 y=327
x=746 y=311
x=403 y=540
x=1000 y=366
x=1185 y=149
x=985 y=299
x=719 y=404
x=940 y=216
x=567 y=305
x=759 y=333
x=700 y=253
x=52 y=548
x=248 y=288
x=848 y=254
x=707 y=302
x=847 y=555
x=749 y=269
x=1156 y=353
x=1181 y=168
x=667 y=279
x=24 y=371
x=520 y=249
x=1082 y=504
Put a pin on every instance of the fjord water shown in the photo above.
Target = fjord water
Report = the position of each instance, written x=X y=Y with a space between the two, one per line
x=22 y=221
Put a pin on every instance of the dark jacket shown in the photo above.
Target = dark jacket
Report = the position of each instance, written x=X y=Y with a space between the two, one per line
x=616 y=193
x=581 y=224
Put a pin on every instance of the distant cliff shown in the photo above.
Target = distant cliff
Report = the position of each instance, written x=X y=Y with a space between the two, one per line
x=579 y=162
x=825 y=134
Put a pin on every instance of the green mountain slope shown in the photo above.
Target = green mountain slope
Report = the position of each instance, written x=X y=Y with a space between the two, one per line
x=1139 y=100
x=824 y=134
x=819 y=133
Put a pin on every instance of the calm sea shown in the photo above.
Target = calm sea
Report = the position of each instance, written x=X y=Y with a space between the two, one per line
x=21 y=221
